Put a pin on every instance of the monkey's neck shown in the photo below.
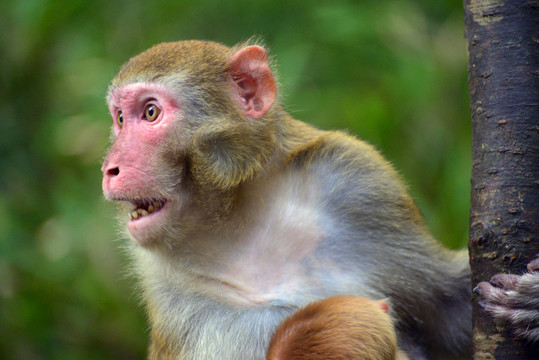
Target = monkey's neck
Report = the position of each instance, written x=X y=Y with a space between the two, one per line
x=257 y=256
x=294 y=136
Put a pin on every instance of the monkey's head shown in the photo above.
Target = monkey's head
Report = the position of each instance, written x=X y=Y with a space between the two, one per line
x=190 y=120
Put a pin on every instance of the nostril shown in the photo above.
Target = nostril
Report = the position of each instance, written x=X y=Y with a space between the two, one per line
x=113 y=172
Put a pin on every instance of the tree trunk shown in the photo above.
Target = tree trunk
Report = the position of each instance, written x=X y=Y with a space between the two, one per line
x=503 y=77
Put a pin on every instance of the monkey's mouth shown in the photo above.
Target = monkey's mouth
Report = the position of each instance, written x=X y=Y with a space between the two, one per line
x=145 y=207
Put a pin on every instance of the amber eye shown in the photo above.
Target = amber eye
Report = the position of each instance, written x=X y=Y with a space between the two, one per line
x=151 y=112
x=120 y=119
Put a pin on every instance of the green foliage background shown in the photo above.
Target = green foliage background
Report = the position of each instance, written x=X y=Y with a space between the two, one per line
x=392 y=72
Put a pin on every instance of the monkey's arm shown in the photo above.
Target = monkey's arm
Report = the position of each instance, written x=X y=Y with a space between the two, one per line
x=514 y=299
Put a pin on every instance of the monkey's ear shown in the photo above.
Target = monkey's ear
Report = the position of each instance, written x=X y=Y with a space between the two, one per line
x=252 y=80
x=382 y=305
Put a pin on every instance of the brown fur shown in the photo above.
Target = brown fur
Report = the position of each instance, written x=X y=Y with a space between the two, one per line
x=340 y=327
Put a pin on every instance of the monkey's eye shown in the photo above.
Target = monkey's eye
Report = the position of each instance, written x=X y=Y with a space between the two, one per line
x=151 y=112
x=120 y=119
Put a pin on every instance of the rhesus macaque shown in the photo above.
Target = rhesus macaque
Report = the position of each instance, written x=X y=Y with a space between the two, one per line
x=241 y=215
x=335 y=328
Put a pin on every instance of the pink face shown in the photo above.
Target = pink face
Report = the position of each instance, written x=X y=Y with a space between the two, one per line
x=143 y=116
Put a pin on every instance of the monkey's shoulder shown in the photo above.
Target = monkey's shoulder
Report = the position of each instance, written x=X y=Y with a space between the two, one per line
x=349 y=174
x=338 y=155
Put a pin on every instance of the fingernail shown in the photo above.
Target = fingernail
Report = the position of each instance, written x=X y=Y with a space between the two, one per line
x=477 y=290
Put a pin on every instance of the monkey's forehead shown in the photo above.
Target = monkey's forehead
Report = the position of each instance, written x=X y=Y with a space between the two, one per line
x=199 y=59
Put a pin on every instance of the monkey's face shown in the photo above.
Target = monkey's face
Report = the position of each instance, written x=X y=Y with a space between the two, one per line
x=144 y=116
x=185 y=135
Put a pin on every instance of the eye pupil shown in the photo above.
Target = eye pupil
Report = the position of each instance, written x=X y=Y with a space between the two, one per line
x=151 y=112
x=120 y=119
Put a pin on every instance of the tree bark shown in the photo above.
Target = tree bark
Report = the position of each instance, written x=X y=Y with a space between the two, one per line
x=503 y=77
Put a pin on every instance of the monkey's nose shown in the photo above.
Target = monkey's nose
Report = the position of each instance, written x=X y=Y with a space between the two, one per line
x=109 y=170
x=113 y=171
x=110 y=179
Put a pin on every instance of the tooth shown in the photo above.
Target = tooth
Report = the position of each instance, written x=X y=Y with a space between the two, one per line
x=134 y=215
x=151 y=208
x=142 y=212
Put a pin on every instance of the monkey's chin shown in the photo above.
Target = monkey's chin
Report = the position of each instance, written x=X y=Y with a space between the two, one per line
x=147 y=229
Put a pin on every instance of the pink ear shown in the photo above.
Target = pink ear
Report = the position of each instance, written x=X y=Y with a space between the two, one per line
x=383 y=306
x=253 y=80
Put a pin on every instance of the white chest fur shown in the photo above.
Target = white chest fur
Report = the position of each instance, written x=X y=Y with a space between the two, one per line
x=263 y=255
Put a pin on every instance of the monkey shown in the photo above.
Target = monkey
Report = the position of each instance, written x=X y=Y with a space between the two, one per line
x=338 y=327
x=239 y=214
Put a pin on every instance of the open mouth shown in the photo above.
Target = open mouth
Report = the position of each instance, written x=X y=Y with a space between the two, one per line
x=146 y=207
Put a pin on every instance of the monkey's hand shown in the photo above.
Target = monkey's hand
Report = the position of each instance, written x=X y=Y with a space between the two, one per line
x=514 y=299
